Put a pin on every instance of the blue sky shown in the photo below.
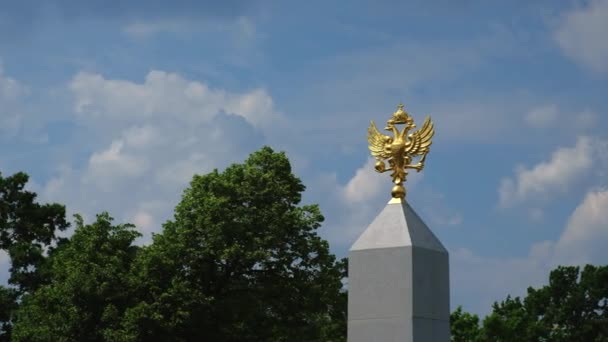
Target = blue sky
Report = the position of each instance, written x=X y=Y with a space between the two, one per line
x=114 y=106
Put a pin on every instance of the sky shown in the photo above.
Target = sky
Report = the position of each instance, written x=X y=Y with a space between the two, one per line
x=114 y=106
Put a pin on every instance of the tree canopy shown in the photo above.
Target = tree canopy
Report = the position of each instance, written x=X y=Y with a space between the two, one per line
x=240 y=261
x=572 y=307
x=27 y=230
x=89 y=287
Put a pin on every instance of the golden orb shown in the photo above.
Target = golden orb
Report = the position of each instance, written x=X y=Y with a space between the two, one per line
x=398 y=191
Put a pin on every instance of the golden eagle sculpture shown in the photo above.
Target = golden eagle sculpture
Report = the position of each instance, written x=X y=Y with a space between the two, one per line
x=400 y=149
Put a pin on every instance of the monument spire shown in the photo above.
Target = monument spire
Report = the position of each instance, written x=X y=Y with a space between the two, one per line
x=398 y=270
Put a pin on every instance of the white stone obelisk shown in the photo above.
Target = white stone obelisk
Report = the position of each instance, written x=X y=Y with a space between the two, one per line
x=398 y=281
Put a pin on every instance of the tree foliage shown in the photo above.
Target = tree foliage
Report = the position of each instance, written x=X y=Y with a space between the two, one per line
x=241 y=261
x=27 y=230
x=8 y=305
x=89 y=287
x=464 y=326
x=572 y=307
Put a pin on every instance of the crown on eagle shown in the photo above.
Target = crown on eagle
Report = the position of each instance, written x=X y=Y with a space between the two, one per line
x=401 y=116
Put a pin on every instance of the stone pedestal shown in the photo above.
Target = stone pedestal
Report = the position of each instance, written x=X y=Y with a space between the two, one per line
x=398 y=281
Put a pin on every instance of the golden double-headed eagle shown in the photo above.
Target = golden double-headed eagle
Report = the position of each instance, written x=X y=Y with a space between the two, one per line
x=400 y=149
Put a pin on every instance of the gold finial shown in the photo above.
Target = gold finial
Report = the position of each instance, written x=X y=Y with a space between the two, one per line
x=400 y=116
x=400 y=148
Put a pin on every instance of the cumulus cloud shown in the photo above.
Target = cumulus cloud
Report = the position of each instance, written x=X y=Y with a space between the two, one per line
x=143 y=220
x=581 y=34
x=364 y=185
x=142 y=136
x=166 y=96
x=154 y=137
x=105 y=167
x=582 y=238
x=566 y=166
x=586 y=234
x=181 y=171
x=487 y=279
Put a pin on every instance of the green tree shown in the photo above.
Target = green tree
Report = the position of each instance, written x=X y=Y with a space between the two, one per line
x=240 y=261
x=572 y=307
x=89 y=287
x=464 y=326
x=8 y=305
x=511 y=321
x=27 y=231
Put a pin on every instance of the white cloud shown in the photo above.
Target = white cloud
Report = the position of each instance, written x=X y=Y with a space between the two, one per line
x=181 y=171
x=542 y=116
x=365 y=184
x=142 y=136
x=486 y=279
x=256 y=107
x=148 y=215
x=165 y=97
x=566 y=166
x=586 y=234
x=107 y=166
x=56 y=184
x=143 y=220
x=368 y=185
x=581 y=35
x=148 y=140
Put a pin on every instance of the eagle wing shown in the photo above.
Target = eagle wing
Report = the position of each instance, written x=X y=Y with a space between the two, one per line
x=377 y=142
x=420 y=141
